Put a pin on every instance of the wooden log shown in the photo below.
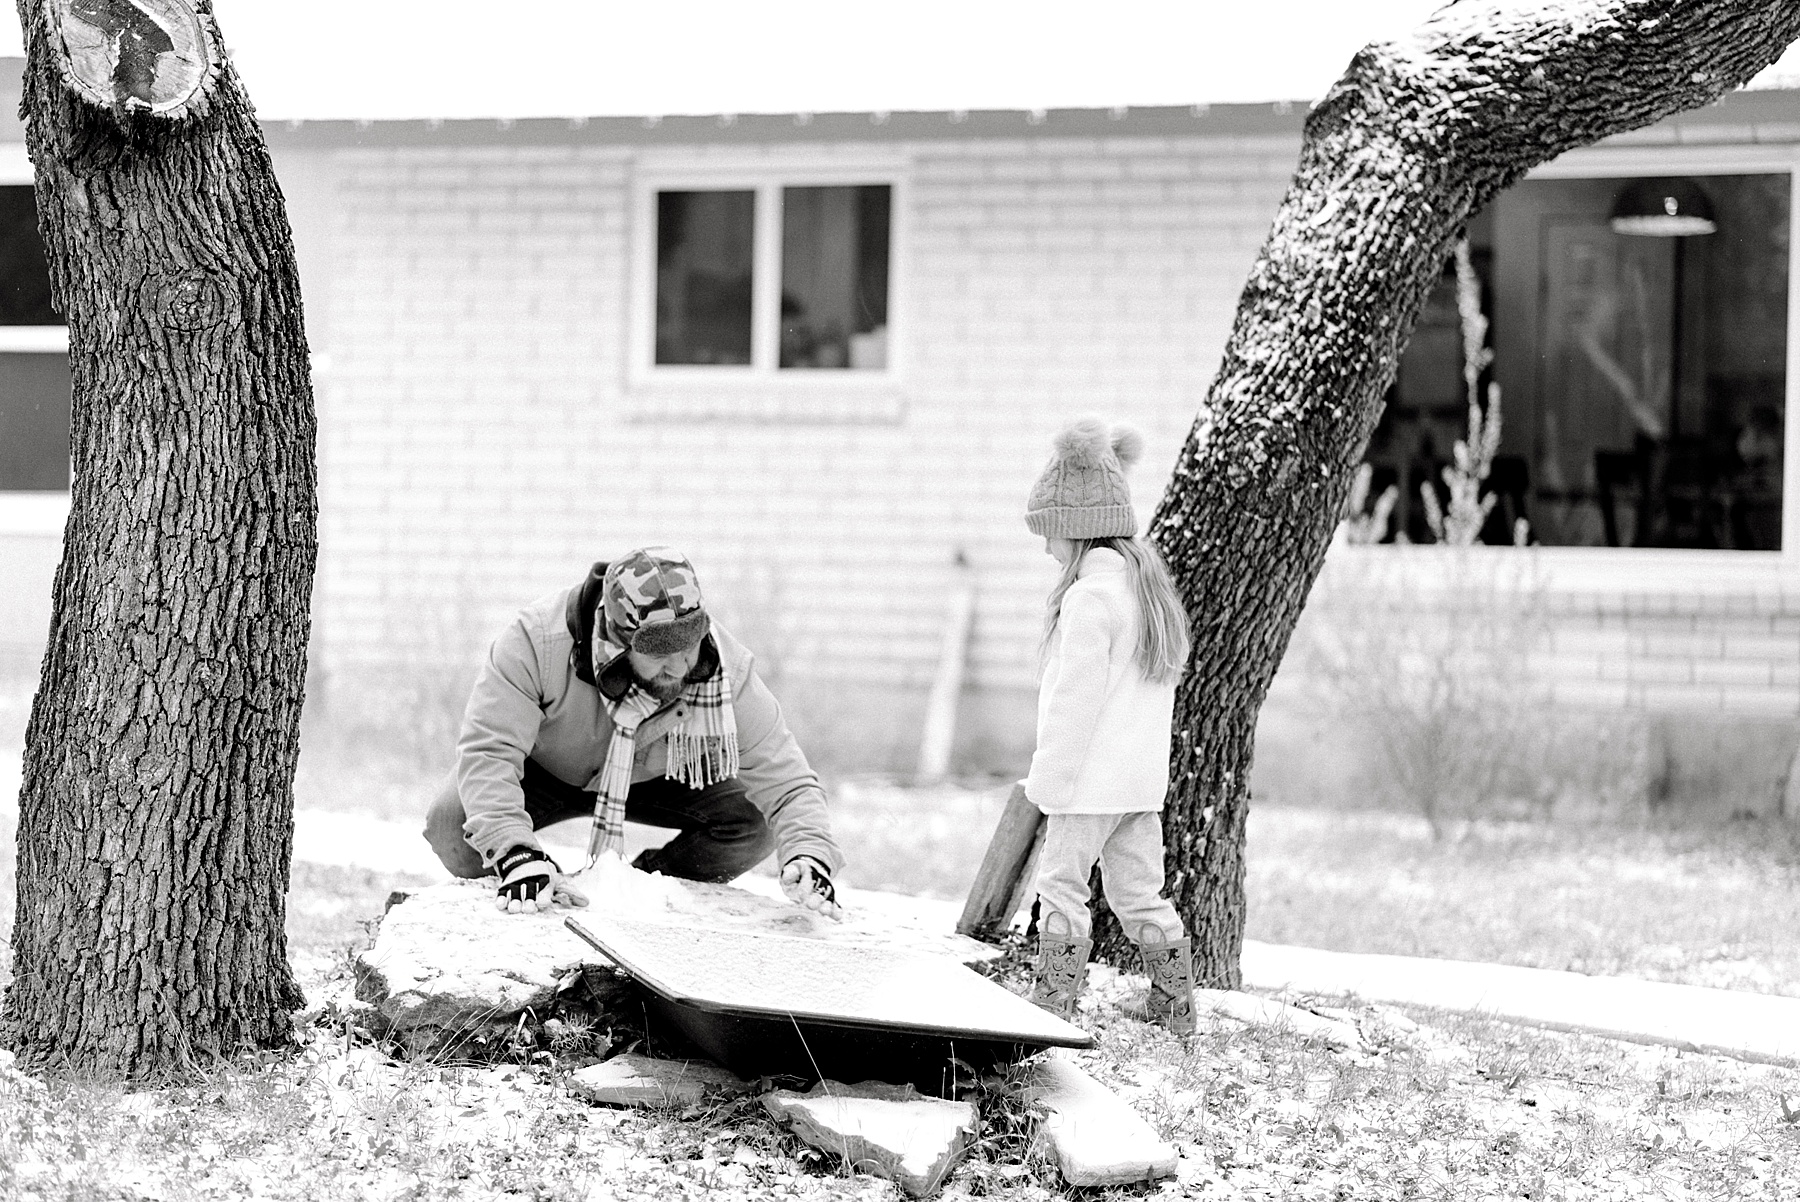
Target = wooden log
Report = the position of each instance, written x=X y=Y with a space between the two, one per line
x=1006 y=869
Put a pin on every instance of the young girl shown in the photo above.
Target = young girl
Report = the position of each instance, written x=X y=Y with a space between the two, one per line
x=1115 y=642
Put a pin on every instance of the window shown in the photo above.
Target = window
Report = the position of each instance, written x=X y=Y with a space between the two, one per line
x=34 y=361
x=834 y=277
x=769 y=279
x=705 y=243
x=1641 y=354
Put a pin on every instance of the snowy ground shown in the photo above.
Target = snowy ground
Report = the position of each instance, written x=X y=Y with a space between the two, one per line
x=1430 y=1105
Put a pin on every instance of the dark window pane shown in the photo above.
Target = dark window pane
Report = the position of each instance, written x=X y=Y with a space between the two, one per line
x=1644 y=378
x=834 y=276
x=24 y=279
x=34 y=422
x=705 y=243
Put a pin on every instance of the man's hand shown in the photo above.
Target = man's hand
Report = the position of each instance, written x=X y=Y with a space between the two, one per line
x=530 y=881
x=808 y=884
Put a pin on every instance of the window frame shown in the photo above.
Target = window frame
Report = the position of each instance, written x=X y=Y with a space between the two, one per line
x=30 y=511
x=1602 y=162
x=1576 y=568
x=766 y=176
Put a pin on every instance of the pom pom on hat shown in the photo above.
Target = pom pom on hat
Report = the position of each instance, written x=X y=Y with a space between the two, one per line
x=1127 y=444
x=1082 y=492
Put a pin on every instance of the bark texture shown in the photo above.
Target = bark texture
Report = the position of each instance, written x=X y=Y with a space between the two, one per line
x=156 y=817
x=1412 y=141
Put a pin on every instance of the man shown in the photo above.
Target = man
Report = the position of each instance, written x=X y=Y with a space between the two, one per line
x=621 y=699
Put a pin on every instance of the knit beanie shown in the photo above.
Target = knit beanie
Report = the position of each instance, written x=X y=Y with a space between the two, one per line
x=650 y=600
x=1082 y=493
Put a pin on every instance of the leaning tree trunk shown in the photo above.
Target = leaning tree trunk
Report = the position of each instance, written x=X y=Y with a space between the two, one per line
x=1412 y=142
x=156 y=816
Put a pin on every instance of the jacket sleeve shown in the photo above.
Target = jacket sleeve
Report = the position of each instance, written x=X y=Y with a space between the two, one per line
x=1070 y=709
x=778 y=780
x=499 y=729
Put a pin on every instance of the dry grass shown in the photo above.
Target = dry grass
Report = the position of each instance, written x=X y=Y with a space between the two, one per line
x=1698 y=905
x=1431 y=1107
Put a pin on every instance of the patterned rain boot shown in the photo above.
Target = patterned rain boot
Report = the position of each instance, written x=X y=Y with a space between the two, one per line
x=1061 y=967
x=1170 y=967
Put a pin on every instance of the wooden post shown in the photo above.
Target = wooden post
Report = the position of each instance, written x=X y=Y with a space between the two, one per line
x=946 y=688
x=1006 y=870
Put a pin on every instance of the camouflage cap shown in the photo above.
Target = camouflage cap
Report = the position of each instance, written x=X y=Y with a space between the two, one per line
x=651 y=602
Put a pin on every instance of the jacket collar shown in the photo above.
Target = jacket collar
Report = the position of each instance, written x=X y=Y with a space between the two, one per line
x=584 y=603
x=1100 y=559
x=614 y=678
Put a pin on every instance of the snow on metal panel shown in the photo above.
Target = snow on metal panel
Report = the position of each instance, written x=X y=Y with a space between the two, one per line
x=745 y=973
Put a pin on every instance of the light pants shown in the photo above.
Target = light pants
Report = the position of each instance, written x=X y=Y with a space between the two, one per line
x=1129 y=848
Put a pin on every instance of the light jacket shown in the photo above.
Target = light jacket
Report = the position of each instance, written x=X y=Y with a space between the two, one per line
x=538 y=695
x=1103 y=729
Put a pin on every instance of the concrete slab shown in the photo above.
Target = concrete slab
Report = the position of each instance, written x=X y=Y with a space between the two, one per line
x=633 y=1080
x=1097 y=1139
x=1748 y=1026
x=888 y=1130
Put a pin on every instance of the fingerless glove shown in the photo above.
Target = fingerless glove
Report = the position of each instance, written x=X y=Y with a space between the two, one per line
x=524 y=873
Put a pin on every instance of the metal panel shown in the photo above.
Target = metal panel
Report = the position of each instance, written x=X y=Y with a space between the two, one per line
x=766 y=1004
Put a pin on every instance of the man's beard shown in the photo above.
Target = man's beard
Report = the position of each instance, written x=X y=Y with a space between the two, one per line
x=663 y=688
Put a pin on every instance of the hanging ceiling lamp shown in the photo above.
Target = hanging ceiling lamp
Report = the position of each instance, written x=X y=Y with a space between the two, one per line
x=1663 y=208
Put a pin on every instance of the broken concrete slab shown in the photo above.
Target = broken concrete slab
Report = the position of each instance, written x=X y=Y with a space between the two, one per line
x=1097 y=1139
x=633 y=1080
x=445 y=957
x=892 y=1131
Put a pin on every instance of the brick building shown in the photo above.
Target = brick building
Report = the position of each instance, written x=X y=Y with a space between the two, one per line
x=825 y=354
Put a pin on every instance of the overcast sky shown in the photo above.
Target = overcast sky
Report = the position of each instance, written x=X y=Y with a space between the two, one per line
x=452 y=58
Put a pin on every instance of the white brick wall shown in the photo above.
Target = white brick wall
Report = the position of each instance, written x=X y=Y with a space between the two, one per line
x=481 y=442
x=482 y=439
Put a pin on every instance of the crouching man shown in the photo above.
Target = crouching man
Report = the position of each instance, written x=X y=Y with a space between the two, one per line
x=620 y=698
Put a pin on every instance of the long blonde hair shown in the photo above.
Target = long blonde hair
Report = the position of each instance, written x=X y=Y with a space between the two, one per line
x=1163 y=641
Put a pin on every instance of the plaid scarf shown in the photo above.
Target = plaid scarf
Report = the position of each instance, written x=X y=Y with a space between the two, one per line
x=702 y=747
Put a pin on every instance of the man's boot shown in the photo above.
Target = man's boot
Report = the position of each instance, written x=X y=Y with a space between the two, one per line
x=1170 y=967
x=1061 y=967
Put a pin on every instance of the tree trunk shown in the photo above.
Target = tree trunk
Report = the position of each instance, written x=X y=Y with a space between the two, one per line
x=1412 y=142
x=156 y=817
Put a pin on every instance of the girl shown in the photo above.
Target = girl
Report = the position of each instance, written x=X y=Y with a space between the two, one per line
x=1115 y=642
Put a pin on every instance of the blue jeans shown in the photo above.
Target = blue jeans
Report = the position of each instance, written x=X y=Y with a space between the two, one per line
x=723 y=835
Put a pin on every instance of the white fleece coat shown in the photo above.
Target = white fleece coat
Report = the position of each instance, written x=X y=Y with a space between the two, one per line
x=1103 y=730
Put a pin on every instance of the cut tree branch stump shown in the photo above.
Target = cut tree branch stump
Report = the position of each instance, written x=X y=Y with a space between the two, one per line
x=154 y=57
x=1006 y=870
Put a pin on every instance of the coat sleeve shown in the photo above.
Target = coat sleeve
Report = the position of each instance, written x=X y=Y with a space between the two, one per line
x=777 y=778
x=1070 y=708
x=499 y=729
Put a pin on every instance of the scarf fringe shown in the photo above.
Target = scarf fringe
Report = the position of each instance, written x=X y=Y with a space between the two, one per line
x=701 y=760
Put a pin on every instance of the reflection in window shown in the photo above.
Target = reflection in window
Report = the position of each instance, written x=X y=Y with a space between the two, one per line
x=834 y=276
x=34 y=386
x=705 y=244
x=1643 y=377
